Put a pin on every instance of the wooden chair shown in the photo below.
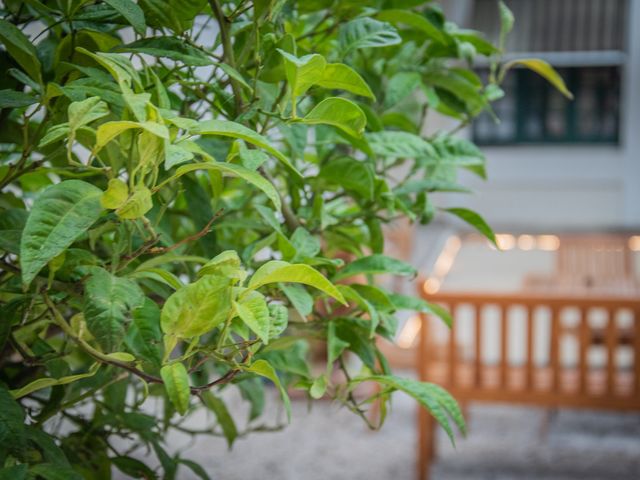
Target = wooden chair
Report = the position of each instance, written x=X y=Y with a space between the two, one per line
x=560 y=337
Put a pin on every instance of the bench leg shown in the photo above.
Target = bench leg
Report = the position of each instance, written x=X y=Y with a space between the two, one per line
x=548 y=417
x=426 y=444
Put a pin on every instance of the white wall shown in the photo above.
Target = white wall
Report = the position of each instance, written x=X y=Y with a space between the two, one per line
x=551 y=188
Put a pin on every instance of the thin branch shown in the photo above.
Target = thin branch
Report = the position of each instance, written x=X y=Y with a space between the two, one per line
x=191 y=238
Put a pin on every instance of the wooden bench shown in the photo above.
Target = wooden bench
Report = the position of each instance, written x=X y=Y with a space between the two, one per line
x=548 y=351
x=590 y=263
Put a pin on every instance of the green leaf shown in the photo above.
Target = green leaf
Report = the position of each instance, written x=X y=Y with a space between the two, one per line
x=84 y=112
x=543 y=69
x=61 y=214
x=176 y=154
x=253 y=311
x=119 y=66
x=460 y=152
x=376 y=264
x=131 y=12
x=42 y=383
x=15 y=472
x=392 y=144
x=169 y=47
x=276 y=271
x=12 y=428
x=354 y=175
x=366 y=32
x=400 y=86
x=110 y=130
x=233 y=73
x=108 y=302
x=15 y=99
x=50 y=471
x=339 y=112
x=460 y=86
x=279 y=320
x=197 y=308
x=12 y=223
x=176 y=384
x=178 y=15
x=434 y=398
x=225 y=264
x=306 y=245
x=159 y=275
x=250 y=176
x=506 y=23
x=303 y=72
x=21 y=49
x=115 y=195
x=225 y=128
x=144 y=336
x=137 y=204
x=476 y=221
x=413 y=20
x=225 y=420
x=195 y=468
x=123 y=357
x=299 y=298
x=406 y=302
x=343 y=77
x=318 y=387
x=429 y=185
x=133 y=467
x=352 y=294
x=137 y=103
x=335 y=345
x=264 y=369
x=54 y=134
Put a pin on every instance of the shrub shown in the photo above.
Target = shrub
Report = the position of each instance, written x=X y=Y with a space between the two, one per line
x=193 y=191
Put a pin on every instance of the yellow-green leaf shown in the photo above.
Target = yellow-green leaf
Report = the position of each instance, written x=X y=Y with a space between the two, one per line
x=277 y=271
x=226 y=128
x=115 y=195
x=84 y=112
x=136 y=205
x=110 y=130
x=197 y=308
x=339 y=112
x=302 y=72
x=176 y=384
x=543 y=69
x=42 y=383
x=343 y=77
x=122 y=357
x=264 y=369
x=253 y=311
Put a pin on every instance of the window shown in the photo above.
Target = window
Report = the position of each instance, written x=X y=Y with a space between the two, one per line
x=532 y=111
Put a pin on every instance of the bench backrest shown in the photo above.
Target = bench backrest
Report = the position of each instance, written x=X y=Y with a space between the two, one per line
x=533 y=349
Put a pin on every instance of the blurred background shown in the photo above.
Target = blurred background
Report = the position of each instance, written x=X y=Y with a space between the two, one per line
x=545 y=352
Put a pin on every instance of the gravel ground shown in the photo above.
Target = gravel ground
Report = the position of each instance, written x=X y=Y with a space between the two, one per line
x=328 y=442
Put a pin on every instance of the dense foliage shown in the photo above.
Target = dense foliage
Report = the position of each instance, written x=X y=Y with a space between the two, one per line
x=195 y=192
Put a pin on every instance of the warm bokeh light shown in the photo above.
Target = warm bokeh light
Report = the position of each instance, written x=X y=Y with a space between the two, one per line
x=634 y=243
x=548 y=242
x=447 y=256
x=505 y=241
x=410 y=330
x=526 y=242
x=431 y=286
